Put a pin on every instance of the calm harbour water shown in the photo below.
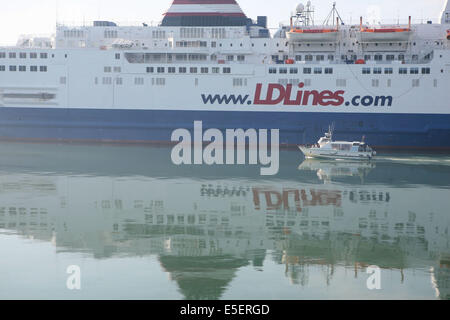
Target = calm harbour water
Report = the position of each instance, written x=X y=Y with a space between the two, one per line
x=141 y=228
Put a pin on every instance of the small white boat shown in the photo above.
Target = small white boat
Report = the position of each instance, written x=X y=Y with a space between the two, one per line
x=326 y=148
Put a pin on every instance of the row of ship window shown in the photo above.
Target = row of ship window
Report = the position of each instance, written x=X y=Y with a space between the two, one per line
x=24 y=68
x=242 y=82
x=316 y=70
x=391 y=70
x=24 y=55
x=319 y=70
x=203 y=70
x=331 y=57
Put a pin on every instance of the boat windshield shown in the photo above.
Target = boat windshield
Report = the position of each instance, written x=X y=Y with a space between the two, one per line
x=341 y=147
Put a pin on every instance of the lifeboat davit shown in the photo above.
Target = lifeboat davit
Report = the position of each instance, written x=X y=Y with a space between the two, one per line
x=312 y=35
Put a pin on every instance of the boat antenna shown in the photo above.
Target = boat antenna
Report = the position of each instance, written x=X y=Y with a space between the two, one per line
x=333 y=16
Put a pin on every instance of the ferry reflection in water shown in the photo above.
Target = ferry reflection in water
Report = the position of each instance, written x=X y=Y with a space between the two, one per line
x=127 y=216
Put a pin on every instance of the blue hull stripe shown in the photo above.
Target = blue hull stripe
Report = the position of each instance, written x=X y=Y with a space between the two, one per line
x=384 y=130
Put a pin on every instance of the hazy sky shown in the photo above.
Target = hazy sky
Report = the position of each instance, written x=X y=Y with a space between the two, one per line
x=39 y=16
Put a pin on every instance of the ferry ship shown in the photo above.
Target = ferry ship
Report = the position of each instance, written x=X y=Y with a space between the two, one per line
x=208 y=61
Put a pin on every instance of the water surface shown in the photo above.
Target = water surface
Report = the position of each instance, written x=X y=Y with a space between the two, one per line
x=141 y=228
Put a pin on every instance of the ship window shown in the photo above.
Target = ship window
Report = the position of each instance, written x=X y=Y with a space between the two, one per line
x=317 y=70
x=139 y=81
x=365 y=70
x=215 y=70
x=378 y=57
x=375 y=83
x=330 y=57
x=33 y=55
x=119 y=81
x=159 y=81
x=171 y=69
x=193 y=70
x=12 y=68
x=298 y=58
x=160 y=70
x=401 y=57
x=213 y=57
x=117 y=56
x=110 y=34
x=415 y=57
x=230 y=58
x=367 y=57
x=307 y=82
x=117 y=69
x=426 y=70
x=150 y=69
x=12 y=55
x=241 y=58
x=328 y=70
x=226 y=70
x=22 y=68
x=43 y=55
x=389 y=83
x=204 y=70
x=308 y=57
x=414 y=71
x=23 y=55
x=272 y=70
x=341 y=82
x=388 y=70
x=2 y=68
x=2 y=55
x=33 y=68
x=307 y=70
x=107 y=69
x=293 y=70
x=320 y=58
x=376 y=70
x=274 y=58
x=239 y=82
x=283 y=70
x=416 y=83
x=107 y=80
x=390 y=57
x=403 y=71
x=182 y=70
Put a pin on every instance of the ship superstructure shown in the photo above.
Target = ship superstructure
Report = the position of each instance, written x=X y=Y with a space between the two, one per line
x=208 y=61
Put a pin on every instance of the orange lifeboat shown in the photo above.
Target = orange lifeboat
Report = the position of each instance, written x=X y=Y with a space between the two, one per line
x=312 y=35
x=385 y=33
x=448 y=34
x=289 y=61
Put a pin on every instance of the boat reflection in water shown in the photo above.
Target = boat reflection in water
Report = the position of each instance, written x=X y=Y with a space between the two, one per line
x=327 y=169
x=220 y=232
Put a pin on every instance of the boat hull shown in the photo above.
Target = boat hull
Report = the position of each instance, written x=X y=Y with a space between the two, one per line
x=418 y=131
x=385 y=36
x=312 y=37
x=333 y=154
